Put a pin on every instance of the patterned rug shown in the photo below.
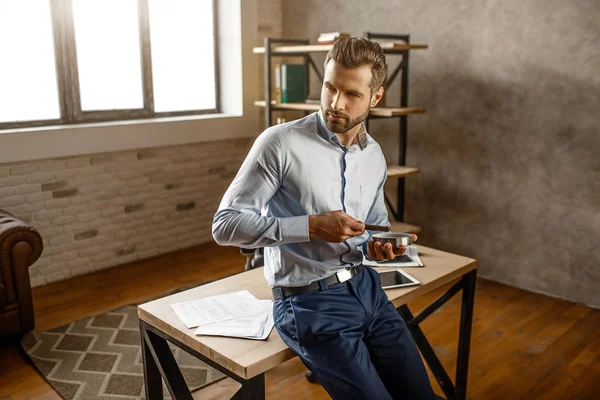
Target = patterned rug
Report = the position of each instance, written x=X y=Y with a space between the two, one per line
x=99 y=358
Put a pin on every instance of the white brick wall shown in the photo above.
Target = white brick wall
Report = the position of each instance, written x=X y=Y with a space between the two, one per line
x=103 y=210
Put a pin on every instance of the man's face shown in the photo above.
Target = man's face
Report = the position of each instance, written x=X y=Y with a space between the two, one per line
x=345 y=96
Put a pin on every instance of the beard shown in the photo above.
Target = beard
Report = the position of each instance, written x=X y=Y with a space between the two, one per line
x=342 y=125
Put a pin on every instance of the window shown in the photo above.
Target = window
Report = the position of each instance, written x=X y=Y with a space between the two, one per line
x=72 y=61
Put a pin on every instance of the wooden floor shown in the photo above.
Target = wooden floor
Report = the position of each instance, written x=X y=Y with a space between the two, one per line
x=524 y=345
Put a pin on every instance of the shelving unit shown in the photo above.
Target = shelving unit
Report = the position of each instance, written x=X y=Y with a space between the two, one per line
x=390 y=44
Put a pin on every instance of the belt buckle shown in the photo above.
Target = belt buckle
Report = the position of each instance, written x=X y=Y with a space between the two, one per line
x=344 y=274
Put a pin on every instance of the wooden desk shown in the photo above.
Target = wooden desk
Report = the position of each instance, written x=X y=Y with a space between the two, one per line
x=246 y=361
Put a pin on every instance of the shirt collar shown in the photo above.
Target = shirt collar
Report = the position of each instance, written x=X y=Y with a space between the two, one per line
x=326 y=134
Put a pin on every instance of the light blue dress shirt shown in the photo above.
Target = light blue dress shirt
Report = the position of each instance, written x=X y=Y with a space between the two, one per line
x=294 y=170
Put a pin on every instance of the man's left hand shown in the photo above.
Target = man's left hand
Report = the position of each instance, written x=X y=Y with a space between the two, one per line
x=379 y=252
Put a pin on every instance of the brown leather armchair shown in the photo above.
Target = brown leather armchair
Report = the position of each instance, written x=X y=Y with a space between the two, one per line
x=20 y=246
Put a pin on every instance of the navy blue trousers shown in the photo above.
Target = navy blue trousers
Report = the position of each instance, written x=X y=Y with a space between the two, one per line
x=353 y=340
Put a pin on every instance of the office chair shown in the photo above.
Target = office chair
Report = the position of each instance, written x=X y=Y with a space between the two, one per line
x=255 y=258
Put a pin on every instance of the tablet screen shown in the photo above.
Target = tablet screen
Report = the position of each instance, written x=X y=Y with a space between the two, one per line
x=395 y=279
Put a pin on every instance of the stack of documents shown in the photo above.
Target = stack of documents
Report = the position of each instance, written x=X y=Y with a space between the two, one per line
x=238 y=314
x=410 y=258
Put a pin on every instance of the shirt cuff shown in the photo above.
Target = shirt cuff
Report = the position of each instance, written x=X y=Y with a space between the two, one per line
x=295 y=229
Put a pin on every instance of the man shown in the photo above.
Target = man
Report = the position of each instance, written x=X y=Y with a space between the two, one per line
x=301 y=193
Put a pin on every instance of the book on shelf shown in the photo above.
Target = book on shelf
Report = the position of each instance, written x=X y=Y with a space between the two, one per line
x=386 y=45
x=276 y=88
x=331 y=37
x=293 y=83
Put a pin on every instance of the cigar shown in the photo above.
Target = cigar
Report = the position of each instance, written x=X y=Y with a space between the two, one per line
x=380 y=228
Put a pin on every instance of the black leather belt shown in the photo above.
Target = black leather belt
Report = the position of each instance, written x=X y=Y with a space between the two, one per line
x=340 y=276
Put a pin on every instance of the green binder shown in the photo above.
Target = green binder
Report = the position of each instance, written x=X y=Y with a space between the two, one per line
x=293 y=83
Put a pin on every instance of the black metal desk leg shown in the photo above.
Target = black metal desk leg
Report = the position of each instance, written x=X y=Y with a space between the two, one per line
x=464 y=338
x=152 y=377
x=166 y=364
x=429 y=355
x=252 y=389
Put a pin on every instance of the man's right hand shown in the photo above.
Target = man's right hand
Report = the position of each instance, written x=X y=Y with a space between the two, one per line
x=334 y=226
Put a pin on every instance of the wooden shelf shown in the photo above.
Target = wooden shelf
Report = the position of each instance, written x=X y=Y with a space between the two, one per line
x=400 y=171
x=289 y=106
x=375 y=111
x=388 y=47
x=404 y=227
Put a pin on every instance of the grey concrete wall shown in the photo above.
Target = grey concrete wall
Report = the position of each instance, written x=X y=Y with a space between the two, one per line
x=509 y=148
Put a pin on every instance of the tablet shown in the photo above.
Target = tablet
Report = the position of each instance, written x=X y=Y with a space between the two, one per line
x=397 y=278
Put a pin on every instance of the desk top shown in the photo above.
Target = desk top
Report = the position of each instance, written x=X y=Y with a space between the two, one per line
x=249 y=358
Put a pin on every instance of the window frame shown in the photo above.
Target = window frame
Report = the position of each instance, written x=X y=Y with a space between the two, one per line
x=67 y=74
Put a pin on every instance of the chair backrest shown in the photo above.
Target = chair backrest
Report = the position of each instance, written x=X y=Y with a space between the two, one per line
x=254 y=257
x=258 y=259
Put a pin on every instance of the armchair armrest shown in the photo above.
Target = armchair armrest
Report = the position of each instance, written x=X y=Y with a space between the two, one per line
x=20 y=246
x=12 y=231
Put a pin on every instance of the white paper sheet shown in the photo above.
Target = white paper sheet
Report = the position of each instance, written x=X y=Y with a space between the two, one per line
x=257 y=327
x=218 y=308
x=409 y=259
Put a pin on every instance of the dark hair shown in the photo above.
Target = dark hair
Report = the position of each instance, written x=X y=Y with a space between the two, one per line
x=355 y=52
